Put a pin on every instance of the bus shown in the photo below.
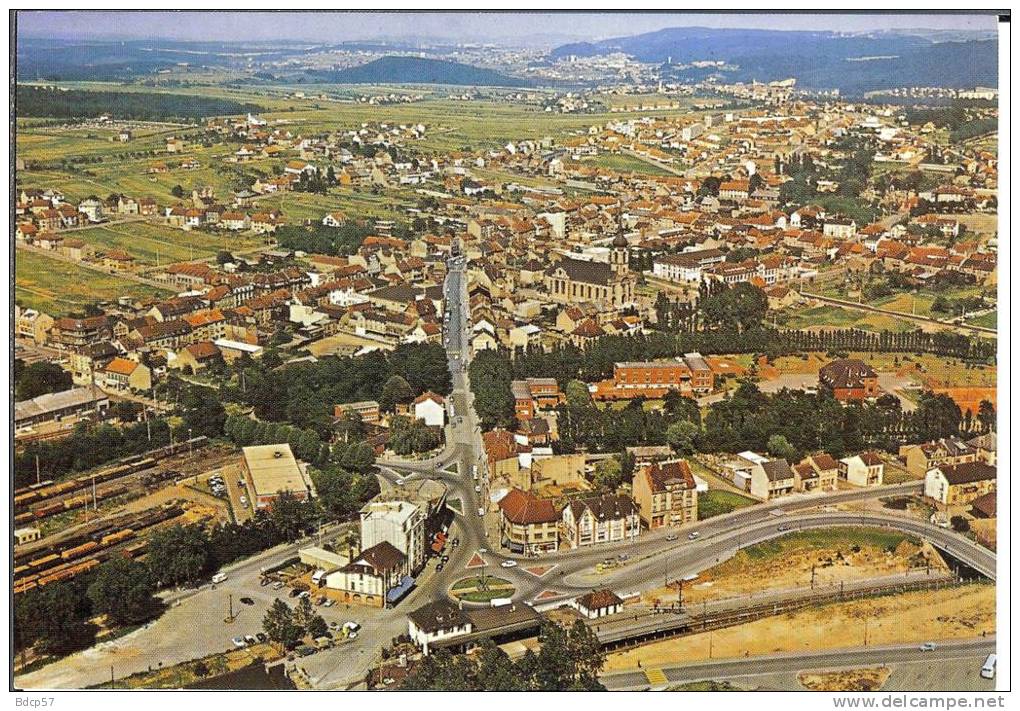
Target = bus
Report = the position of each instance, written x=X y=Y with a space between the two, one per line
x=988 y=670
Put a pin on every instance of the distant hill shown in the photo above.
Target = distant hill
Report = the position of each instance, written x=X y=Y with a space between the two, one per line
x=418 y=70
x=818 y=60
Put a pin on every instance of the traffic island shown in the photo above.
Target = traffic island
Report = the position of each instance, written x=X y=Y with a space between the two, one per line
x=482 y=588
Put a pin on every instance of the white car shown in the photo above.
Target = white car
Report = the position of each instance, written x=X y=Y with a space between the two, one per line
x=928 y=647
x=508 y=564
x=243 y=500
x=693 y=536
x=239 y=642
x=478 y=489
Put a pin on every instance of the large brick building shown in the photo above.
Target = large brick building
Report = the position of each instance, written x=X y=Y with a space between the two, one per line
x=849 y=379
x=688 y=375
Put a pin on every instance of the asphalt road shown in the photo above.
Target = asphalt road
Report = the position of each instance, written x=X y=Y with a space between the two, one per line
x=853 y=657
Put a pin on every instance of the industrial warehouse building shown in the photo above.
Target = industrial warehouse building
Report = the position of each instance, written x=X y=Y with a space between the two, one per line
x=271 y=469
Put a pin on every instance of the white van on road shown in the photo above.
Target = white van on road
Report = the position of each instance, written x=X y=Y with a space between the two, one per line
x=988 y=670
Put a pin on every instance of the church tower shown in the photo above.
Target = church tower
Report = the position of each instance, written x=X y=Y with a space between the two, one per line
x=619 y=255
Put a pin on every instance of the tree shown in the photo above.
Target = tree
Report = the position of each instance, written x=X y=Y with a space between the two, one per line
x=278 y=624
x=224 y=257
x=289 y=515
x=682 y=436
x=608 y=475
x=779 y=446
x=177 y=191
x=986 y=416
x=178 y=555
x=317 y=627
x=577 y=394
x=123 y=590
x=960 y=524
x=396 y=390
x=39 y=379
x=54 y=616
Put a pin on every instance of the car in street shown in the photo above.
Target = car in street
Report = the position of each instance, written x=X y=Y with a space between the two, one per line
x=445 y=559
x=483 y=550
x=239 y=642
x=928 y=647
x=400 y=482
x=693 y=536
x=247 y=601
x=783 y=527
x=508 y=564
x=243 y=500
x=671 y=536
x=278 y=585
x=303 y=594
x=439 y=567
x=219 y=578
x=478 y=489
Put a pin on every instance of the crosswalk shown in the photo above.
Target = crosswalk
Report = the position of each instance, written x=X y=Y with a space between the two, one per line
x=656 y=677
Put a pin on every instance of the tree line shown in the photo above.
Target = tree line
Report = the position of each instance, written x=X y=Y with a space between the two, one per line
x=569 y=659
x=143 y=106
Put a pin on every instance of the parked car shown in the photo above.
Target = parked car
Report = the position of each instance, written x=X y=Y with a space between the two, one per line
x=303 y=594
x=239 y=642
x=262 y=637
x=219 y=578
x=304 y=650
x=247 y=601
x=671 y=536
x=278 y=585
x=329 y=602
x=439 y=568
x=250 y=639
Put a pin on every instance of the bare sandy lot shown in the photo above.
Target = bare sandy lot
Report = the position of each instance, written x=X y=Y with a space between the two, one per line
x=960 y=612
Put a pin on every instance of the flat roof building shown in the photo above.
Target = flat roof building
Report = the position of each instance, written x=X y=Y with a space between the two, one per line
x=270 y=470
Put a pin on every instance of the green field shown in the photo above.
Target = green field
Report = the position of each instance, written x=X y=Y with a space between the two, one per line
x=839 y=317
x=988 y=320
x=827 y=538
x=626 y=164
x=717 y=501
x=153 y=244
x=59 y=288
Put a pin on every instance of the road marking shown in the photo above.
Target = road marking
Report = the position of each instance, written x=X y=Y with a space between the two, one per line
x=656 y=677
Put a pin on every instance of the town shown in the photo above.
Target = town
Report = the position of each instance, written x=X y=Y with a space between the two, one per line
x=433 y=387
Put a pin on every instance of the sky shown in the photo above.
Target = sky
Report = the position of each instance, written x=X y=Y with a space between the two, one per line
x=520 y=28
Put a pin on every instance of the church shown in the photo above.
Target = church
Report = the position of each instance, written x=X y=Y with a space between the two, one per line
x=607 y=285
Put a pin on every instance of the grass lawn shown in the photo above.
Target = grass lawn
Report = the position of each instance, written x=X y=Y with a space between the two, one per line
x=716 y=502
x=626 y=164
x=469 y=589
x=58 y=288
x=988 y=320
x=826 y=538
x=839 y=317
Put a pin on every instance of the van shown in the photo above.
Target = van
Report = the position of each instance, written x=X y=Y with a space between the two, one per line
x=219 y=577
x=988 y=670
x=317 y=577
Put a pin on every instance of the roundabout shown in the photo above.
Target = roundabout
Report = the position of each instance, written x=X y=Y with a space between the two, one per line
x=482 y=589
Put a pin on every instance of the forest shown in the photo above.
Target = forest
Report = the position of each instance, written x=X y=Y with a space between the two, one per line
x=45 y=102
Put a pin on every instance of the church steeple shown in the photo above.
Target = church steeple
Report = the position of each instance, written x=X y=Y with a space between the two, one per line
x=619 y=255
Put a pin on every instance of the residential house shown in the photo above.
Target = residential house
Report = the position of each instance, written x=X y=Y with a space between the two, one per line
x=528 y=524
x=772 y=478
x=865 y=469
x=952 y=485
x=594 y=520
x=666 y=494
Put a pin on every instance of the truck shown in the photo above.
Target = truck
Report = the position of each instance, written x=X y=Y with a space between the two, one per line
x=474 y=472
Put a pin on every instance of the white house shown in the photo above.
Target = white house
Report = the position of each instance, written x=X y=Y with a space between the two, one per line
x=431 y=408
x=866 y=469
x=598 y=603
x=436 y=621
